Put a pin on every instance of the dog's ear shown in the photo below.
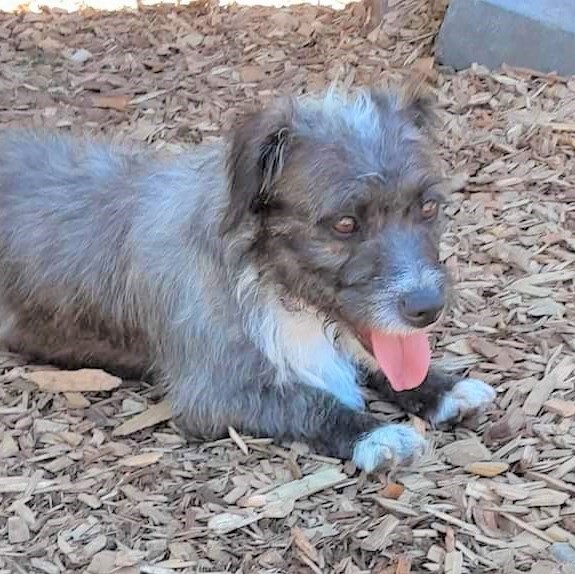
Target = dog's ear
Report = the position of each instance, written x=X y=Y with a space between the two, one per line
x=412 y=97
x=417 y=99
x=256 y=158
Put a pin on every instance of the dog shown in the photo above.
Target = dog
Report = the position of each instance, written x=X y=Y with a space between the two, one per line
x=265 y=279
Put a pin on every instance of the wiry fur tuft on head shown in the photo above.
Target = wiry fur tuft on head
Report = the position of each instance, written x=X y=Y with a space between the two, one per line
x=412 y=97
x=256 y=159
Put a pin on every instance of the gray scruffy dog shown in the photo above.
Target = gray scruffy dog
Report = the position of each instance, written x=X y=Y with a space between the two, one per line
x=263 y=279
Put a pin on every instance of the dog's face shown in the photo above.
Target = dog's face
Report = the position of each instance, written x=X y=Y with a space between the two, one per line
x=339 y=205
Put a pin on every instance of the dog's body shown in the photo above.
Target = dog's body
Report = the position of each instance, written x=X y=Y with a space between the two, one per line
x=239 y=274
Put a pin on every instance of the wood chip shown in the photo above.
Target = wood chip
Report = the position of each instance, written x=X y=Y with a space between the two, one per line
x=560 y=407
x=544 y=388
x=403 y=565
x=564 y=468
x=488 y=469
x=301 y=488
x=22 y=483
x=561 y=535
x=301 y=541
x=227 y=522
x=466 y=451
x=8 y=447
x=92 y=501
x=82 y=380
x=144 y=459
x=454 y=562
x=119 y=102
x=77 y=401
x=18 y=531
x=102 y=563
x=380 y=538
x=154 y=415
x=527 y=527
x=395 y=506
x=546 y=497
x=238 y=440
x=169 y=76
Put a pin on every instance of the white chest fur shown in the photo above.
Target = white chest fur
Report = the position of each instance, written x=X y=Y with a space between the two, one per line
x=305 y=350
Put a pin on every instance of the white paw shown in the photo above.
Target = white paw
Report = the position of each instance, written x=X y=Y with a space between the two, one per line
x=386 y=446
x=467 y=397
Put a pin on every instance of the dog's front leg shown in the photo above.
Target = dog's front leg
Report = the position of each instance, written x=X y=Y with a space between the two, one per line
x=306 y=414
x=441 y=398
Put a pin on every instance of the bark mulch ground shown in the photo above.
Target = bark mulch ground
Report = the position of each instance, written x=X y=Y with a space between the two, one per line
x=100 y=481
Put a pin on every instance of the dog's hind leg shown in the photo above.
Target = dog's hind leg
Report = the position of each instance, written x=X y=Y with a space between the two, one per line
x=306 y=414
x=71 y=341
x=441 y=398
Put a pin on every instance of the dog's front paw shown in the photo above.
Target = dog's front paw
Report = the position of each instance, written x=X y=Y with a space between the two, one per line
x=467 y=397
x=386 y=446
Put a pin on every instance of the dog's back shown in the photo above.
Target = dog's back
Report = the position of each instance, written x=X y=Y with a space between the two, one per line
x=62 y=247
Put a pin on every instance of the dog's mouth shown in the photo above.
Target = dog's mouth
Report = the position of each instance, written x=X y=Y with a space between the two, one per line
x=403 y=358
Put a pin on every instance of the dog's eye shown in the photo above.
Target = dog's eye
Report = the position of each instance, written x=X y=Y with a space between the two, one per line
x=429 y=209
x=345 y=225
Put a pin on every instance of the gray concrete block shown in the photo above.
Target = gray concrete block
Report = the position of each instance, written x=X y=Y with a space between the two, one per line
x=536 y=34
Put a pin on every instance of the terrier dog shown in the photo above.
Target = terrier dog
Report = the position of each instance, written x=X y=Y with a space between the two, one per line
x=263 y=279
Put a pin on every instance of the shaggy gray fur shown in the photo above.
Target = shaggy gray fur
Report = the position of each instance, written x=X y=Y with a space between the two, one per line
x=218 y=271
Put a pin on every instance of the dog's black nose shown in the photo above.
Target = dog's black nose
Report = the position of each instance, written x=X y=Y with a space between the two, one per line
x=422 y=307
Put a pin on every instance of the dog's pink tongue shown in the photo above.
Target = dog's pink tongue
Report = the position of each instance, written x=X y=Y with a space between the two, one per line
x=403 y=359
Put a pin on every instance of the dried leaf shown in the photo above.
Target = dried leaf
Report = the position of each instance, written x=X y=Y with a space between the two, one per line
x=392 y=490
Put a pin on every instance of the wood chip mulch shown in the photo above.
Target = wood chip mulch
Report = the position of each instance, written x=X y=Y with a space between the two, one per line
x=95 y=478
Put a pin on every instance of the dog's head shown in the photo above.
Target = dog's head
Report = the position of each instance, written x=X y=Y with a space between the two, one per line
x=338 y=204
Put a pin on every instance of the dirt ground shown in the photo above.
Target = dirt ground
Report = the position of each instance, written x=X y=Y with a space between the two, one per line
x=102 y=482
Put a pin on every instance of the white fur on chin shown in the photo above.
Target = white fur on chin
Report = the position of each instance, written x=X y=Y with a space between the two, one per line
x=388 y=445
